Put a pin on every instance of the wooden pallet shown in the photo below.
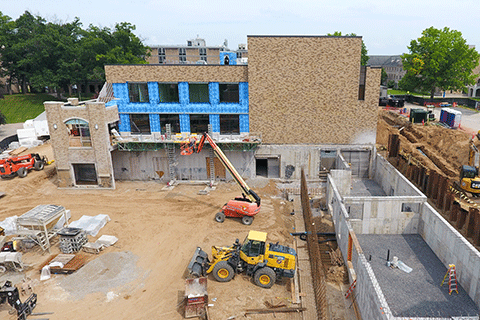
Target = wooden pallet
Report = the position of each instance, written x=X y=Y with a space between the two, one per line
x=71 y=263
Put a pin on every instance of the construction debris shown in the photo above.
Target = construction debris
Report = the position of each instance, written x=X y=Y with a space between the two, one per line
x=275 y=310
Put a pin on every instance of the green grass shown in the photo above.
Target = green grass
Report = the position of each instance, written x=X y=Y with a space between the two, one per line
x=401 y=92
x=21 y=107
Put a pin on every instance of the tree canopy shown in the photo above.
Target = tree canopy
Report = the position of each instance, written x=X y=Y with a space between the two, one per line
x=41 y=54
x=439 y=59
x=364 y=58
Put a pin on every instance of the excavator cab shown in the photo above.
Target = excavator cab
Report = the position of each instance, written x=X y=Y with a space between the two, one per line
x=469 y=180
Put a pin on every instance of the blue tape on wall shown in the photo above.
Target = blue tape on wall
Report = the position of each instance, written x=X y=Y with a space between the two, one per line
x=154 y=122
x=244 y=125
x=184 y=123
x=124 y=125
x=214 y=120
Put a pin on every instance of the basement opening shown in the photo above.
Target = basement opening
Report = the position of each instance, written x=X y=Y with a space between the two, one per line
x=85 y=174
x=268 y=167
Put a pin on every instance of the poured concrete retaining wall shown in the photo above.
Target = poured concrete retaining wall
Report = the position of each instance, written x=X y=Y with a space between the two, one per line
x=452 y=248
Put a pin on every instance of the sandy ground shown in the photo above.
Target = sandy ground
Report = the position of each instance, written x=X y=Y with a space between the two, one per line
x=158 y=232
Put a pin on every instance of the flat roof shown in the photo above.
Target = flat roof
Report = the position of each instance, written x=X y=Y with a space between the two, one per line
x=418 y=293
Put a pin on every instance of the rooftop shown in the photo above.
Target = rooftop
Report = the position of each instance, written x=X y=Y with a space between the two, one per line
x=418 y=293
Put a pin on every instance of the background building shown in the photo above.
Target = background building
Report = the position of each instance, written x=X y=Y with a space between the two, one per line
x=391 y=64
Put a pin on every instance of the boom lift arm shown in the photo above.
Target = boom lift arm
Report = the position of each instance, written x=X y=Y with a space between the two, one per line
x=247 y=192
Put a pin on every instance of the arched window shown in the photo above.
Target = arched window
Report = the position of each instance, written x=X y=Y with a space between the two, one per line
x=79 y=133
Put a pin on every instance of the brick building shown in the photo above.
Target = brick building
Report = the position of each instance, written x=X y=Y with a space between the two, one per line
x=297 y=99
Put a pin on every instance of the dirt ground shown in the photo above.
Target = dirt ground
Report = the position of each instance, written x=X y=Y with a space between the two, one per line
x=444 y=150
x=158 y=232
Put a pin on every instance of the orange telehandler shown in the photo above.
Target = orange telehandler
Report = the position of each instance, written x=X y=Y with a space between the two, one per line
x=19 y=166
x=246 y=206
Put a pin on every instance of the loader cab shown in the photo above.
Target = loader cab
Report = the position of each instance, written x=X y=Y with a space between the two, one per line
x=253 y=248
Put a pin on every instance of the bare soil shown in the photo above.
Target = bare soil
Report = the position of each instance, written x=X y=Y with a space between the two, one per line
x=158 y=232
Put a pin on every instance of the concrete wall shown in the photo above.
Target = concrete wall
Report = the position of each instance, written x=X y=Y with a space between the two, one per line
x=368 y=294
x=143 y=165
x=98 y=116
x=452 y=248
x=176 y=73
x=309 y=88
x=392 y=181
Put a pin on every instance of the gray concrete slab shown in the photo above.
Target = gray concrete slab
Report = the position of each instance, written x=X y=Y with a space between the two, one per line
x=7 y=130
x=366 y=188
x=415 y=294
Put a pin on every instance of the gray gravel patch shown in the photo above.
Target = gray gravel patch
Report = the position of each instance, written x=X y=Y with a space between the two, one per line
x=415 y=294
x=108 y=271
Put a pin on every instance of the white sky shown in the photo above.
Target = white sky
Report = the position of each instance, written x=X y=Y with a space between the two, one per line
x=387 y=27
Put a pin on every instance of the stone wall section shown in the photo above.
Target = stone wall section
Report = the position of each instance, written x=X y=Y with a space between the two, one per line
x=308 y=87
x=174 y=73
x=98 y=116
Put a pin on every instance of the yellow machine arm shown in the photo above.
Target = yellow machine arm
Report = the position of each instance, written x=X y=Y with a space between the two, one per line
x=249 y=193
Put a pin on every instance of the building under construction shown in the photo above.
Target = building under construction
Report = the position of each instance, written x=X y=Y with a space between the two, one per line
x=300 y=102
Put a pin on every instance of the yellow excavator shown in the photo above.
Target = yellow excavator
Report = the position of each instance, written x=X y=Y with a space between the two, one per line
x=265 y=262
x=469 y=179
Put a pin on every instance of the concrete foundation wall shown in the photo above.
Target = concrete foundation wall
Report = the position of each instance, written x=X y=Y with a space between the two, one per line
x=359 y=162
x=452 y=248
x=143 y=165
x=391 y=180
x=368 y=294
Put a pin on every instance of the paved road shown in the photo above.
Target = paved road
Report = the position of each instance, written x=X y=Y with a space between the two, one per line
x=470 y=120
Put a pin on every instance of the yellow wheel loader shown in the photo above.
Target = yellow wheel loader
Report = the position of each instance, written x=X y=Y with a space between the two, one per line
x=265 y=262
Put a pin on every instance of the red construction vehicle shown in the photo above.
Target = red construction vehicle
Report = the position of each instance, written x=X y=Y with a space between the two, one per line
x=19 y=166
x=246 y=206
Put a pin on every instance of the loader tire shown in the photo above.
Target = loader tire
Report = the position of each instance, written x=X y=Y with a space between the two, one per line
x=220 y=217
x=22 y=172
x=38 y=165
x=265 y=277
x=223 y=272
x=247 y=220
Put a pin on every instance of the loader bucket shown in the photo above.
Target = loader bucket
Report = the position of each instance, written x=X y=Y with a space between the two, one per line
x=199 y=263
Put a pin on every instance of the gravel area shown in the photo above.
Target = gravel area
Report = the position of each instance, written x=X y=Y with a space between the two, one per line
x=108 y=271
x=418 y=293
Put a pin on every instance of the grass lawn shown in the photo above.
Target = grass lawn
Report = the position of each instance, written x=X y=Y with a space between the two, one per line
x=20 y=107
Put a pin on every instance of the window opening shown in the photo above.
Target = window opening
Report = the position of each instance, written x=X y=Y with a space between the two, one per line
x=203 y=54
x=199 y=92
x=199 y=123
x=229 y=92
x=173 y=120
x=182 y=54
x=361 y=86
x=261 y=167
x=168 y=92
x=138 y=92
x=229 y=124
x=161 y=55
x=85 y=174
x=140 y=123
x=79 y=133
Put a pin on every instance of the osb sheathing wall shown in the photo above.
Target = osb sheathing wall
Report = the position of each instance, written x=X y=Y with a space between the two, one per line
x=175 y=73
x=94 y=113
x=308 y=87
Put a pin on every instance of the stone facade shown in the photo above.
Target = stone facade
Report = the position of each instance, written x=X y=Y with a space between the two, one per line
x=309 y=88
x=98 y=153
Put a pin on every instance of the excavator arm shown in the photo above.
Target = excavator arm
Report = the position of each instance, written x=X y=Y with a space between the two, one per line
x=247 y=192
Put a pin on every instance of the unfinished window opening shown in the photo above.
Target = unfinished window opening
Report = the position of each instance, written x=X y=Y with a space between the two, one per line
x=229 y=124
x=79 y=133
x=140 y=123
x=362 y=80
x=261 y=167
x=229 y=92
x=203 y=54
x=199 y=123
x=182 y=55
x=85 y=174
x=168 y=92
x=138 y=92
x=198 y=92
x=173 y=120
x=410 y=207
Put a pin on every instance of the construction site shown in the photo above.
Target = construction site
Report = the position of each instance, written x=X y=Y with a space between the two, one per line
x=353 y=215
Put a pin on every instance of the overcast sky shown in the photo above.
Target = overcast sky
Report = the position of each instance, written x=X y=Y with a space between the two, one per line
x=387 y=27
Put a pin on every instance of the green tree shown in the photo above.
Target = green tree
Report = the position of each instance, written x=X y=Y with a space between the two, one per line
x=439 y=59
x=364 y=58
x=383 y=77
